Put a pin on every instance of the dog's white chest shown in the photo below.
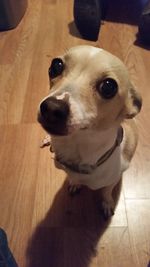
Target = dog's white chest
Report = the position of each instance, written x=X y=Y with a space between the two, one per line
x=106 y=174
x=87 y=150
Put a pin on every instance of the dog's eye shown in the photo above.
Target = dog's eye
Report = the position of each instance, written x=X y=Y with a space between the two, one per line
x=56 y=68
x=108 y=88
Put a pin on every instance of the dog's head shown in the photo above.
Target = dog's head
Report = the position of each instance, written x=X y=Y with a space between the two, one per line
x=90 y=88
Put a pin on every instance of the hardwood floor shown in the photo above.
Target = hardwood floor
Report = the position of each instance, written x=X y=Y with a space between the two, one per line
x=46 y=227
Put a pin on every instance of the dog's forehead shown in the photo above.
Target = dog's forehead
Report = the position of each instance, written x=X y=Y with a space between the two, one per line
x=93 y=58
x=81 y=55
x=83 y=50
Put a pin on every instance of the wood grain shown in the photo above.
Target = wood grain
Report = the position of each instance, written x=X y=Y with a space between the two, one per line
x=45 y=226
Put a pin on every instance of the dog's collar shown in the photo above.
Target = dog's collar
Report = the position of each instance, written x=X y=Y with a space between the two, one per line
x=87 y=168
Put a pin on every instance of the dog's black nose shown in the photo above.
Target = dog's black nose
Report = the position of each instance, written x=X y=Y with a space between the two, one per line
x=54 y=110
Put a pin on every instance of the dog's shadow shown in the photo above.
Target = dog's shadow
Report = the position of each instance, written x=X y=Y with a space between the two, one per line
x=70 y=232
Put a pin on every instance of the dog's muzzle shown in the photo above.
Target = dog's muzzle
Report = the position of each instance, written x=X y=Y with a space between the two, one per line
x=53 y=116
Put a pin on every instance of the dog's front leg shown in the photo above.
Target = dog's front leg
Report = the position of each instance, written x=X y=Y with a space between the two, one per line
x=107 y=202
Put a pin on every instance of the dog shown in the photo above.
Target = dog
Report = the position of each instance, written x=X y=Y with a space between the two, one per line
x=89 y=115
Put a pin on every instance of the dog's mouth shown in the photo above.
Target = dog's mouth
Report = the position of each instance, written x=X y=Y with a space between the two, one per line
x=60 y=128
x=57 y=128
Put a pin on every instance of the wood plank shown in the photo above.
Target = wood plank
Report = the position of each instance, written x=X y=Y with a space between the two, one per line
x=18 y=161
x=139 y=230
x=17 y=52
x=115 y=248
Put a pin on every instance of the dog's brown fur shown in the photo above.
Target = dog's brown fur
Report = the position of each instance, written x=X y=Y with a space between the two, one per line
x=85 y=66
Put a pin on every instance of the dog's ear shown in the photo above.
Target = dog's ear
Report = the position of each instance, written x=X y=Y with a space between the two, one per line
x=133 y=104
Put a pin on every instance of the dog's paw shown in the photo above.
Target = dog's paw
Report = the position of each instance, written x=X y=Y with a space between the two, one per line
x=74 y=189
x=46 y=141
x=107 y=209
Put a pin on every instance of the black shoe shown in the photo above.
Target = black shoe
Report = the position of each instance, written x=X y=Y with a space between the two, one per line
x=88 y=15
x=144 y=25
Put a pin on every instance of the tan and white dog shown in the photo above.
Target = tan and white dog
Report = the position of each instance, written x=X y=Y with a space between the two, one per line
x=87 y=114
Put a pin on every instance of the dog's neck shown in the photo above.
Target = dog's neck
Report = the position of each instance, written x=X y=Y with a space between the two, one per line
x=84 y=147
